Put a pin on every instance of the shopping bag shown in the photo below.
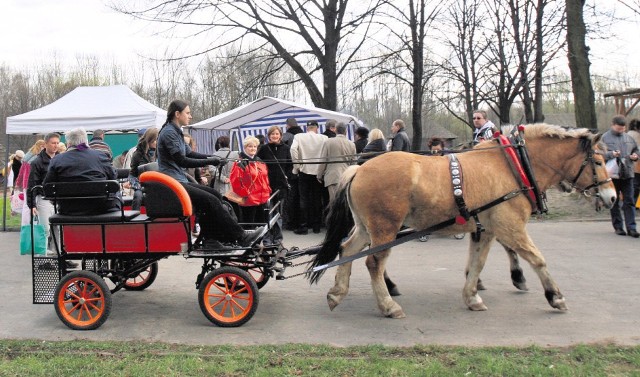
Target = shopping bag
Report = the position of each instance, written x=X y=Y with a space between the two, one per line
x=612 y=168
x=39 y=239
x=17 y=201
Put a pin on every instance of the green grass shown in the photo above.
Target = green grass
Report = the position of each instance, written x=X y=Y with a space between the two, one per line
x=40 y=358
x=13 y=222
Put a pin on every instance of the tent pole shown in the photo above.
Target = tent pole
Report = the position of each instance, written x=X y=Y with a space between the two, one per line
x=4 y=191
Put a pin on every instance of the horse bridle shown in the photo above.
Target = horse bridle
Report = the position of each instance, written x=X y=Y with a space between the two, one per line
x=589 y=160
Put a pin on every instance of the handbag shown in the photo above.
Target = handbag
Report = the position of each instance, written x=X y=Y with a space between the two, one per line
x=39 y=238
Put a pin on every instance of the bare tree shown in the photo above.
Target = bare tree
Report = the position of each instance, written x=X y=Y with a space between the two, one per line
x=310 y=37
x=579 y=65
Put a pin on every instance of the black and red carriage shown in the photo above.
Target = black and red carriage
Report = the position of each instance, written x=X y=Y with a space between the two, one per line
x=121 y=249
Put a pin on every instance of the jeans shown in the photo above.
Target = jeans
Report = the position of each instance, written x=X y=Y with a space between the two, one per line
x=624 y=187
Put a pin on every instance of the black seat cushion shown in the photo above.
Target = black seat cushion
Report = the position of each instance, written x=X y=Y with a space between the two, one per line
x=109 y=217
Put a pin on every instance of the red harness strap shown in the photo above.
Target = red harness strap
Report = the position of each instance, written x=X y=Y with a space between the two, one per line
x=518 y=170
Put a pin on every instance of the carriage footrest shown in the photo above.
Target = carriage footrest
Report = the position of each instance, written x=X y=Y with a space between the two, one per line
x=216 y=253
x=46 y=276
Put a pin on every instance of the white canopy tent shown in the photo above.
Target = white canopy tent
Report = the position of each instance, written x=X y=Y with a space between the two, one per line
x=93 y=107
x=256 y=117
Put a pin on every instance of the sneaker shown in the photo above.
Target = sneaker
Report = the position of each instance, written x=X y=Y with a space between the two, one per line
x=301 y=230
x=71 y=264
x=251 y=236
x=621 y=232
x=633 y=233
x=51 y=253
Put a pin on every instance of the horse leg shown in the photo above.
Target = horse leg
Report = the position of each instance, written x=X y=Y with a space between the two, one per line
x=478 y=252
x=391 y=286
x=517 y=276
x=521 y=243
x=376 y=266
x=356 y=242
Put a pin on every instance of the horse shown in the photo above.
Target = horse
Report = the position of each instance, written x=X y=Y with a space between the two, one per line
x=400 y=189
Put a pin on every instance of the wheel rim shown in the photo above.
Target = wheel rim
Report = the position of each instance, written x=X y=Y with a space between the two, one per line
x=228 y=298
x=139 y=280
x=81 y=302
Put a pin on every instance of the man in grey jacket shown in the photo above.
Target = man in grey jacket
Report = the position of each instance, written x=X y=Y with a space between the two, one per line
x=623 y=148
x=400 y=140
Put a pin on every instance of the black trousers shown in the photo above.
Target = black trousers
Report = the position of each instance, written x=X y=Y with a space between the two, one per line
x=310 y=201
x=215 y=221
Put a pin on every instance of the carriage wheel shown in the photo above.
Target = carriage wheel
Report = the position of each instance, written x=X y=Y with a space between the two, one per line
x=228 y=296
x=82 y=300
x=143 y=280
x=259 y=275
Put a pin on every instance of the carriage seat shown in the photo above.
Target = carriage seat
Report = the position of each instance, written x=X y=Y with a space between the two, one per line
x=164 y=197
x=87 y=191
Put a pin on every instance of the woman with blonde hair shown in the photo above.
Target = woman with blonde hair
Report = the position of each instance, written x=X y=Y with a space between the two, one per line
x=375 y=147
x=250 y=181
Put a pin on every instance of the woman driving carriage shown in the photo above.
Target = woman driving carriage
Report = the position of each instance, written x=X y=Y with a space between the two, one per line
x=174 y=156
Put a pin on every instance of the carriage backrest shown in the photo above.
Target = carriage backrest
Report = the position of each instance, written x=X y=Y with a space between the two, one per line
x=81 y=190
x=164 y=196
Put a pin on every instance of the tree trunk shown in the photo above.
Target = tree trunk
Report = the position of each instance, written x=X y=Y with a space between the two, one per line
x=579 y=66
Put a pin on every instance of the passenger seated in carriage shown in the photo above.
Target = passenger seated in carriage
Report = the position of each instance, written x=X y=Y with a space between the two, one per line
x=80 y=163
x=174 y=156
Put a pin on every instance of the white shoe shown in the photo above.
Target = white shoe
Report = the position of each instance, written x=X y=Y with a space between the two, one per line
x=51 y=253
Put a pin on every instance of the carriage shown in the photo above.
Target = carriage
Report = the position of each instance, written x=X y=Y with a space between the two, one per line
x=124 y=247
x=121 y=250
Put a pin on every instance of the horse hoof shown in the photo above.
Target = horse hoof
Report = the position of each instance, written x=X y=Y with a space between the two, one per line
x=397 y=314
x=332 y=302
x=521 y=286
x=560 y=304
x=478 y=307
x=394 y=291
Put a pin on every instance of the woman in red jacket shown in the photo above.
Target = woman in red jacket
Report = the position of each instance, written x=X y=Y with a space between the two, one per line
x=250 y=181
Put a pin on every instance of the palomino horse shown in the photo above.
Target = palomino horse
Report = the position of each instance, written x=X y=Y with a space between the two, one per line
x=399 y=188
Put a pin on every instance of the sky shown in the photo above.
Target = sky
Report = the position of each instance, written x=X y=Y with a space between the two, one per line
x=33 y=31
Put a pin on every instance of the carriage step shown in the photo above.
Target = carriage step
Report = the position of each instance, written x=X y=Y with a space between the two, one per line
x=215 y=253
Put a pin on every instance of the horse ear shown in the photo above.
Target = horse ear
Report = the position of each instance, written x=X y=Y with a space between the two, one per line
x=597 y=138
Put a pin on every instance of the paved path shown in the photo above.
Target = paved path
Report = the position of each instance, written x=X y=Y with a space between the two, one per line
x=597 y=271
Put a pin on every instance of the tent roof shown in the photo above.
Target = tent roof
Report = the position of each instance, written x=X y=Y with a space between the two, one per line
x=92 y=107
x=267 y=111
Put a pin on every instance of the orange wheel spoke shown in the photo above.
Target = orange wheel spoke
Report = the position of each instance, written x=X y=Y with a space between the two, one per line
x=235 y=303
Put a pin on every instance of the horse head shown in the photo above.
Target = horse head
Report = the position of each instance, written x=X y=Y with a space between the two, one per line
x=580 y=166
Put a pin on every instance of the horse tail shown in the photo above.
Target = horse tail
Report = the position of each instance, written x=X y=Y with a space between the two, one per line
x=339 y=222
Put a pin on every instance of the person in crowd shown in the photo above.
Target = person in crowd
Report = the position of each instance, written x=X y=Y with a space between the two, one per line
x=62 y=147
x=330 y=128
x=97 y=143
x=22 y=181
x=194 y=173
x=292 y=130
x=336 y=149
x=38 y=205
x=261 y=139
x=623 y=148
x=400 y=140
x=305 y=153
x=362 y=133
x=278 y=156
x=126 y=164
x=484 y=128
x=16 y=164
x=145 y=153
x=220 y=174
x=291 y=211
x=81 y=163
x=375 y=147
x=118 y=161
x=634 y=132
x=174 y=155
x=250 y=181
x=436 y=146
